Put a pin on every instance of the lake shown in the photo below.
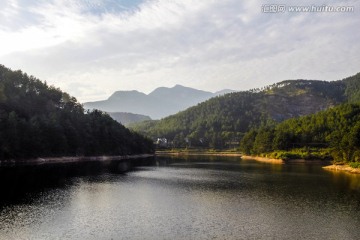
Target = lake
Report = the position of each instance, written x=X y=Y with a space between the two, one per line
x=179 y=198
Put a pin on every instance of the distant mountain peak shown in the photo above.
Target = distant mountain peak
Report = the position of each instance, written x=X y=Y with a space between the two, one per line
x=224 y=91
x=120 y=94
x=222 y=122
x=161 y=102
x=126 y=92
x=180 y=86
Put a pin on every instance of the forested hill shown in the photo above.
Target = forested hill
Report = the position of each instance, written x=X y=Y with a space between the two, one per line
x=337 y=130
x=223 y=120
x=37 y=120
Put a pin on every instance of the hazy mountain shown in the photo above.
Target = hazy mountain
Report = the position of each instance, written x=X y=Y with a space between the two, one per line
x=159 y=103
x=180 y=97
x=224 y=91
x=226 y=118
x=127 y=118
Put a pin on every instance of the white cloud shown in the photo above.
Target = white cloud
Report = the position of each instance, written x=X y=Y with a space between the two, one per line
x=92 y=48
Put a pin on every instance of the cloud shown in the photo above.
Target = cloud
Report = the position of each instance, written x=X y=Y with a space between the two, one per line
x=92 y=48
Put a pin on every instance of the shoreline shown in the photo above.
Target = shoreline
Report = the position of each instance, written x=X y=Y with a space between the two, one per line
x=263 y=159
x=230 y=154
x=63 y=160
x=342 y=168
x=59 y=160
x=244 y=157
x=282 y=161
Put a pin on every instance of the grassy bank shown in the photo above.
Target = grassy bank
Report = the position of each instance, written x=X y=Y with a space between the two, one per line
x=294 y=154
x=277 y=157
x=300 y=153
x=344 y=168
x=263 y=159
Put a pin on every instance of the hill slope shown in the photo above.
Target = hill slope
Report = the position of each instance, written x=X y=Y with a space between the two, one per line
x=336 y=129
x=37 y=120
x=128 y=118
x=225 y=119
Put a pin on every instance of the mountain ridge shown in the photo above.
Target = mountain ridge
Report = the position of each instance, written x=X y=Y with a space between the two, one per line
x=161 y=102
x=220 y=120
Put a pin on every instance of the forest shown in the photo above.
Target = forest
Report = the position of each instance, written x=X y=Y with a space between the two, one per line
x=330 y=134
x=306 y=118
x=37 y=120
x=222 y=122
x=289 y=119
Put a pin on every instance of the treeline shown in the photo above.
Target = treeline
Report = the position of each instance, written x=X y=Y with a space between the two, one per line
x=209 y=124
x=37 y=120
x=337 y=130
x=221 y=122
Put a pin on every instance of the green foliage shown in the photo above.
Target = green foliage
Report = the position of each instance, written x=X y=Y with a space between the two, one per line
x=301 y=153
x=337 y=128
x=352 y=90
x=354 y=164
x=263 y=140
x=222 y=121
x=247 y=142
x=210 y=124
x=249 y=117
x=37 y=120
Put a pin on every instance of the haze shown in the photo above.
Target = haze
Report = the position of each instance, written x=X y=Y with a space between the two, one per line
x=93 y=48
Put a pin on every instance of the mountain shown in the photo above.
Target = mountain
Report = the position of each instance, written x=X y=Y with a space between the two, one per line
x=37 y=120
x=224 y=91
x=159 y=103
x=224 y=119
x=127 y=118
x=180 y=97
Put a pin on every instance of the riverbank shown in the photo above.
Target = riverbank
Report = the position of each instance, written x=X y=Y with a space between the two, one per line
x=286 y=161
x=198 y=153
x=339 y=168
x=59 y=160
x=213 y=153
x=342 y=168
x=263 y=159
x=245 y=157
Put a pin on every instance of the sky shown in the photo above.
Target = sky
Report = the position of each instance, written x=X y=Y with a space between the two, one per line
x=91 y=48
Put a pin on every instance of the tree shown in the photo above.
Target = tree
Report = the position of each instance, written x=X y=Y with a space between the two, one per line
x=37 y=120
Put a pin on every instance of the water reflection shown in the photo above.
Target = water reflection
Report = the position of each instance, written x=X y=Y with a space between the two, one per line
x=176 y=198
x=17 y=181
x=345 y=180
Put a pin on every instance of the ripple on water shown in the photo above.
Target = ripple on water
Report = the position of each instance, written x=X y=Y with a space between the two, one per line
x=190 y=201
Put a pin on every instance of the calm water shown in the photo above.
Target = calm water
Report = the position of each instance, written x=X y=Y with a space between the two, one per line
x=195 y=198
